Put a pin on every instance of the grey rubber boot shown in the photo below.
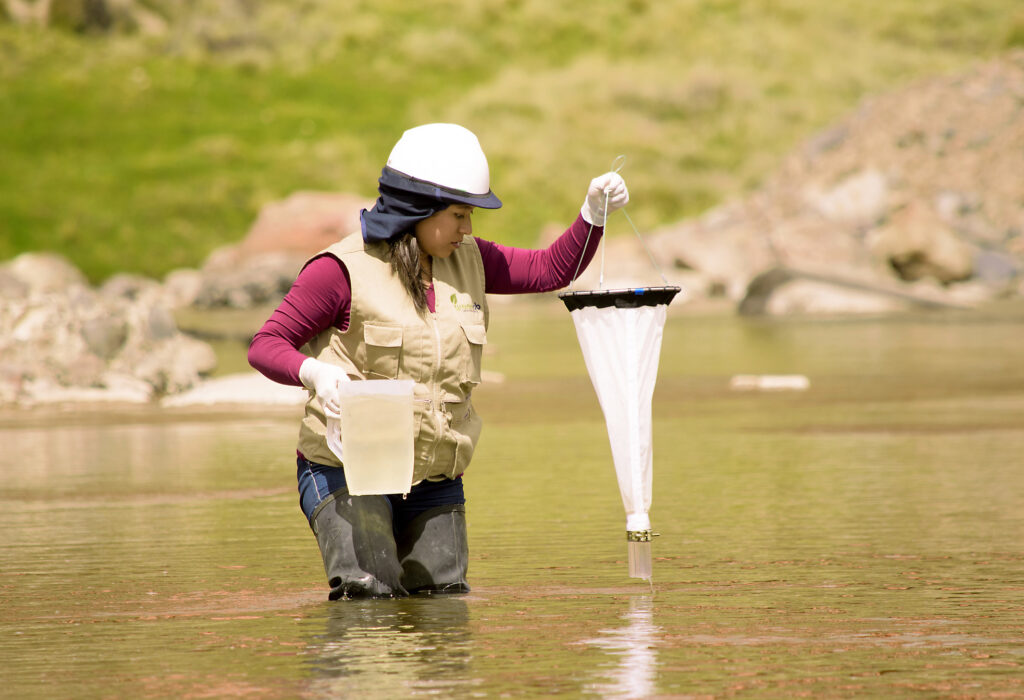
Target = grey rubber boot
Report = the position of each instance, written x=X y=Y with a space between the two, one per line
x=434 y=551
x=358 y=546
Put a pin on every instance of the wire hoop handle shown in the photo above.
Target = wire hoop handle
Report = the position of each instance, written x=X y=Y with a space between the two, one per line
x=618 y=164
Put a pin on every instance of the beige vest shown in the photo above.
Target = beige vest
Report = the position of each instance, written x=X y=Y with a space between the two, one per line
x=387 y=339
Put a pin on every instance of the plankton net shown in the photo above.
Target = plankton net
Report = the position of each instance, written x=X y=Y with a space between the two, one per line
x=620 y=333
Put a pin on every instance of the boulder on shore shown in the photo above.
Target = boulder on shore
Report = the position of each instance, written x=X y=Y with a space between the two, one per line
x=243 y=389
x=64 y=341
x=262 y=267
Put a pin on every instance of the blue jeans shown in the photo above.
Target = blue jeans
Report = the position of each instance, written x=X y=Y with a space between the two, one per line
x=317 y=481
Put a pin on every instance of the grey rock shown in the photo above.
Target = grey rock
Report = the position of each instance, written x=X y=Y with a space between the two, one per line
x=160 y=323
x=128 y=286
x=44 y=272
x=859 y=200
x=996 y=267
x=11 y=286
x=104 y=335
x=918 y=245
x=181 y=287
x=256 y=280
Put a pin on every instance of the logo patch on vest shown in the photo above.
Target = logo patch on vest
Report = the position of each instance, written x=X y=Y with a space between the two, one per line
x=464 y=302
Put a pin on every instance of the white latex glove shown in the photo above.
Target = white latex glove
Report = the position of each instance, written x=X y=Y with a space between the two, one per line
x=610 y=188
x=323 y=378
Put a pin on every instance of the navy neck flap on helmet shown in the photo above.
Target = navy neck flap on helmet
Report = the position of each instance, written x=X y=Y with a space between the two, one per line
x=404 y=201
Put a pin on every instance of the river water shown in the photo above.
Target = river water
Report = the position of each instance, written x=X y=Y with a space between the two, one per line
x=864 y=537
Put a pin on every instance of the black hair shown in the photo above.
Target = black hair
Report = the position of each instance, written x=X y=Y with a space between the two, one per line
x=404 y=253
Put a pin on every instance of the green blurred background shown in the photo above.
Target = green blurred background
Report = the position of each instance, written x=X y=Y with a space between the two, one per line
x=139 y=135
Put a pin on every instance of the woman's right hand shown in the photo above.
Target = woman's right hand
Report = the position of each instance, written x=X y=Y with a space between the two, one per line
x=323 y=378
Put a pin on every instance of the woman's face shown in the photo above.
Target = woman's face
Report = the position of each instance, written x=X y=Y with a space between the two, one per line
x=439 y=235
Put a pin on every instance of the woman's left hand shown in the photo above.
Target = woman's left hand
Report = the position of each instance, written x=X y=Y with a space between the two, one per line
x=323 y=379
x=606 y=194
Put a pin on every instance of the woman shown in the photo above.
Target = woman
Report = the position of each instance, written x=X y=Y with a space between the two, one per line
x=407 y=300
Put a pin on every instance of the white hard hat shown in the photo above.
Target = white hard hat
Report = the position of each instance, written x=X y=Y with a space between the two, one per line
x=449 y=157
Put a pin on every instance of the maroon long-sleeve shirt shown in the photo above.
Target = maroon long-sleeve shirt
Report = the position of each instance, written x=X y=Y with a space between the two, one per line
x=321 y=295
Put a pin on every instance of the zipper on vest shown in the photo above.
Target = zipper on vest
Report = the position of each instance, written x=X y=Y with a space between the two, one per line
x=438 y=406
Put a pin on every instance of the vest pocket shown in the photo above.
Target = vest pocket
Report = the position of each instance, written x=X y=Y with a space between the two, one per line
x=476 y=334
x=383 y=350
x=466 y=426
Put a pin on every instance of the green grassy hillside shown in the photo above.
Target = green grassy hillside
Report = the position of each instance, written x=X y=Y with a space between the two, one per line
x=144 y=151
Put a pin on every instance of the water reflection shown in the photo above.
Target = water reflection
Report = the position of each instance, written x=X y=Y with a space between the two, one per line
x=391 y=648
x=635 y=645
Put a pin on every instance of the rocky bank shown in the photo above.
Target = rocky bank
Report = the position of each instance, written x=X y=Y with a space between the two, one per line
x=916 y=198
x=63 y=341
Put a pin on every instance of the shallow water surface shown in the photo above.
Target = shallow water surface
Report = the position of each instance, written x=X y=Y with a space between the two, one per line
x=861 y=538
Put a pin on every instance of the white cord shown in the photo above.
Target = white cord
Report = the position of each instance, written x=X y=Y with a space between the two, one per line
x=644 y=243
x=600 y=278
